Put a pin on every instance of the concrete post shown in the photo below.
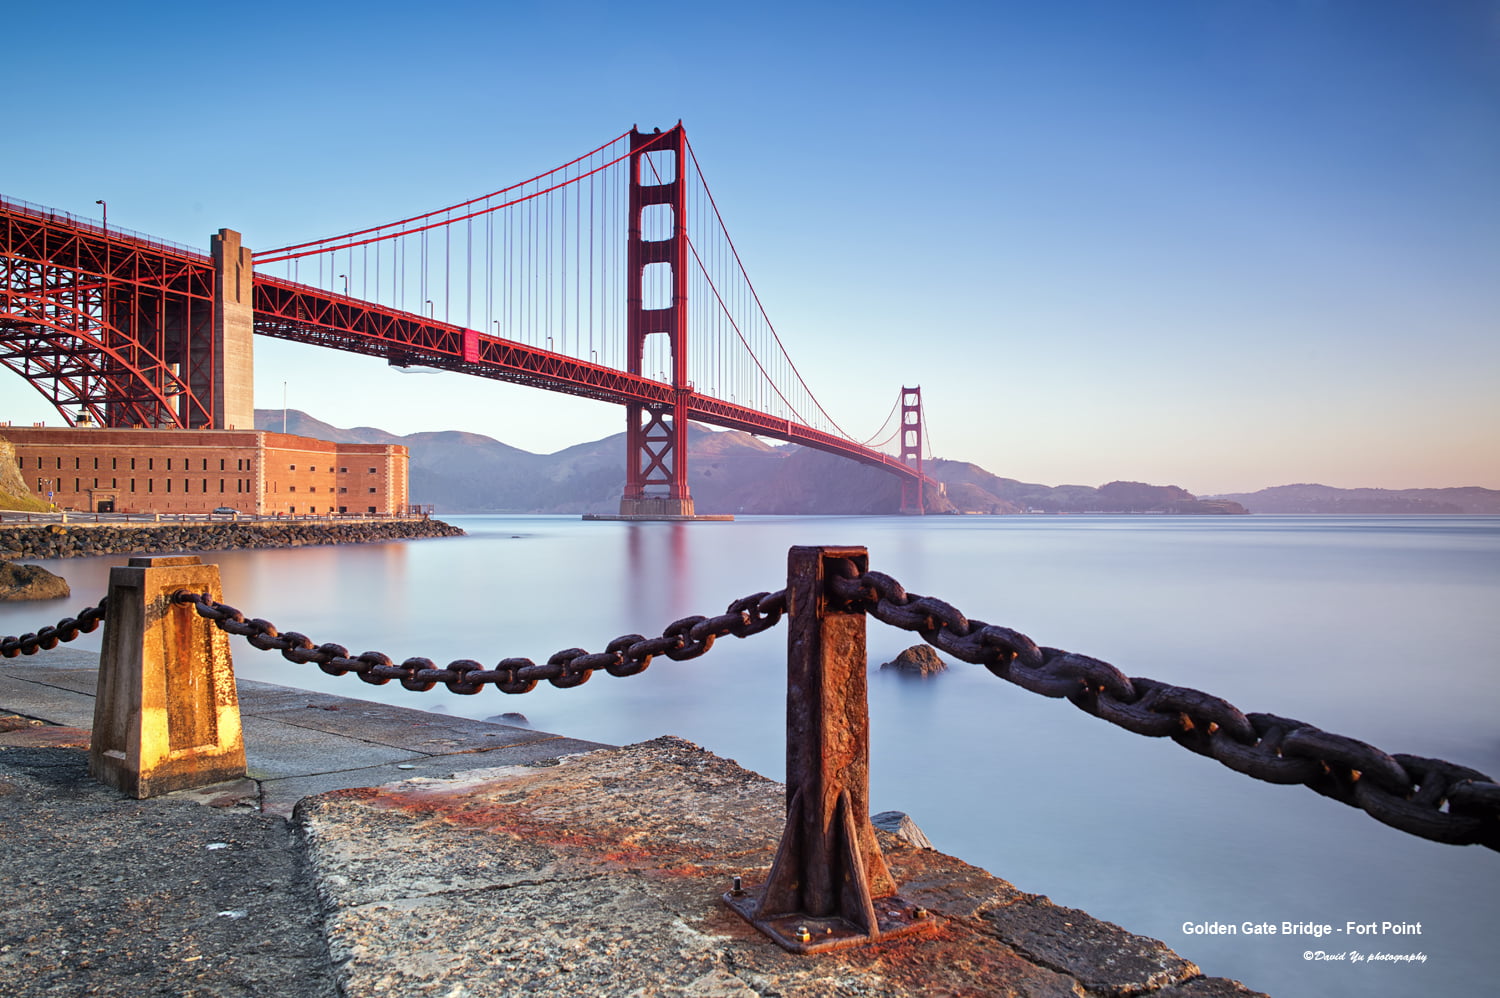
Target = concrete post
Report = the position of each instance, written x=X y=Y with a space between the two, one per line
x=167 y=716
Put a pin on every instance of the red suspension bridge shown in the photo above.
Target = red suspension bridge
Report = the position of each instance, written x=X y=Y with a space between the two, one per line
x=611 y=277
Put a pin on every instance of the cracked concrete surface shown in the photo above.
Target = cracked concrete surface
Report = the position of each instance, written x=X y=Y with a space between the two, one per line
x=436 y=856
x=602 y=875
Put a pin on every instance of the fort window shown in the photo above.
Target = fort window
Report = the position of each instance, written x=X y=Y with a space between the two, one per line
x=77 y=463
x=169 y=464
x=374 y=470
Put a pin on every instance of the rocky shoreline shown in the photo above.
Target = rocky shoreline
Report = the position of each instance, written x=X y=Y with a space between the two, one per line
x=90 y=540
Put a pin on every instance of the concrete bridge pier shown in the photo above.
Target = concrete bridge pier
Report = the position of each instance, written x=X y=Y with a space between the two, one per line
x=233 y=364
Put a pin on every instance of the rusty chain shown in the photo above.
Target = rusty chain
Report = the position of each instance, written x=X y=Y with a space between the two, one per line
x=1429 y=798
x=48 y=637
x=626 y=655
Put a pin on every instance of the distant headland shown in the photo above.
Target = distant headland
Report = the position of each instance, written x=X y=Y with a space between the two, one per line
x=734 y=472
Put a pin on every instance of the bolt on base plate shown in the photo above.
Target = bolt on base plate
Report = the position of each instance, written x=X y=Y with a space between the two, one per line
x=806 y=934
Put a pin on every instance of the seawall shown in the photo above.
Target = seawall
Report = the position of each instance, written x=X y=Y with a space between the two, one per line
x=85 y=540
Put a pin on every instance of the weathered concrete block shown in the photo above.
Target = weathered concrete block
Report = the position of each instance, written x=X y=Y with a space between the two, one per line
x=1103 y=957
x=166 y=716
x=601 y=876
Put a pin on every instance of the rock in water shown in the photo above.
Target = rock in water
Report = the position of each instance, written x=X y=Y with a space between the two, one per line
x=509 y=717
x=18 y=582
x=899 y=824
x=918 y=660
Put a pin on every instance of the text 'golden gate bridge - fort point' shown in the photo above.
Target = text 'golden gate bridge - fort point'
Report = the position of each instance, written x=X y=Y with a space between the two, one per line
x=611 y=277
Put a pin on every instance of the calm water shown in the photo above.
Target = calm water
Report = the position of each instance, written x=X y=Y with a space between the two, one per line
x=1384 y=629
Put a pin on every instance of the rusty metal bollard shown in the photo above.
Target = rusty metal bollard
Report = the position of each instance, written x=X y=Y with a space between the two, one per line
x=828 y=886
x=166 y=715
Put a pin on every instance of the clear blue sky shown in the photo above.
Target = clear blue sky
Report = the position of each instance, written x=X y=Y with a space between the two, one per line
x=1223 y=244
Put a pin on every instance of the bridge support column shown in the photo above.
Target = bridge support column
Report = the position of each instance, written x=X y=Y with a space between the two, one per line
x=656 y=440
x=234 y=333
x=656 y=435
x=912 y=501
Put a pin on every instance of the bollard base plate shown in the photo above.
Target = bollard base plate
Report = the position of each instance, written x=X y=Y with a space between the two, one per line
x=894 y=916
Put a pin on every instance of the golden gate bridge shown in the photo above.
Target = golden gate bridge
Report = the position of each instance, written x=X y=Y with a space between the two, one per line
x=611 y=277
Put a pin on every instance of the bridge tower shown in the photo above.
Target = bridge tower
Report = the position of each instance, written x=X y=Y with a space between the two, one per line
x=911 y=450
x=656 y=436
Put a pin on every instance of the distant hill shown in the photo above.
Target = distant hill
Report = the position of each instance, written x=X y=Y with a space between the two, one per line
x=728 y=472
x=1326 y=499
x=973 y=490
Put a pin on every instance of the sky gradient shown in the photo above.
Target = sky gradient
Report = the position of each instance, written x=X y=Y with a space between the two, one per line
x=1222 y=244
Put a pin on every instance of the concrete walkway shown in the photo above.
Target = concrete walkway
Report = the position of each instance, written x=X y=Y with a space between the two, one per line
x=436 y=856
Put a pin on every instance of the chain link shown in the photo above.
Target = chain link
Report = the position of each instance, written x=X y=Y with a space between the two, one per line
x=1430 y=798
x=626 y=655
x=47 y=638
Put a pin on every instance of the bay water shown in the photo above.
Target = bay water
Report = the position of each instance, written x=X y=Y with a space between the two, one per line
x=1385 y=629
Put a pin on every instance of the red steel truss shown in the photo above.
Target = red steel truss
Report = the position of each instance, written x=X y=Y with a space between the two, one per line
x=117 y=329
x=111 y=328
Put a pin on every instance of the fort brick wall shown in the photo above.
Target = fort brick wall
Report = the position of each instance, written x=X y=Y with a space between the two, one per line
x=197 y=471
